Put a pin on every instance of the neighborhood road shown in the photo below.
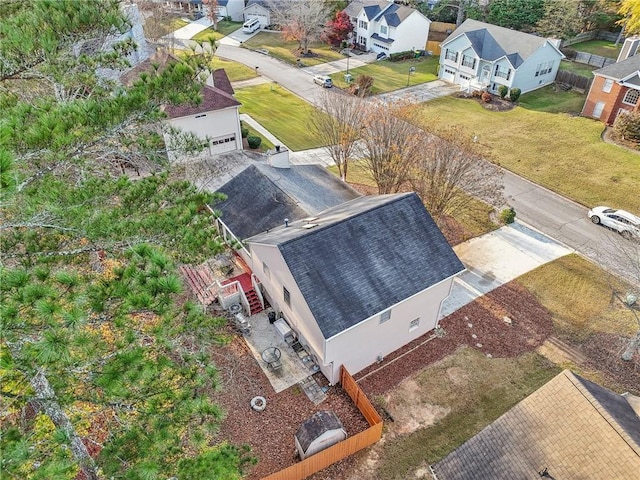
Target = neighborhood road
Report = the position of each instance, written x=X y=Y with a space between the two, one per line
x=552 y=214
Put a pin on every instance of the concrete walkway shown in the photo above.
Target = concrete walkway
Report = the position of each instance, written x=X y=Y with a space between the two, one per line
x=497 y=258
x=188 y=31
x=263 y=131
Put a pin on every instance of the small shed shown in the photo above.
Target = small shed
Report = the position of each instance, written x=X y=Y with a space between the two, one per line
x=318 y=432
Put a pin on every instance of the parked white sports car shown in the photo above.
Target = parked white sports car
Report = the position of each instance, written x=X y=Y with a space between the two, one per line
x=625 y=223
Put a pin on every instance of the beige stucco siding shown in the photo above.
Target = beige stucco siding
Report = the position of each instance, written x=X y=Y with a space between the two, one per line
x=361 y=345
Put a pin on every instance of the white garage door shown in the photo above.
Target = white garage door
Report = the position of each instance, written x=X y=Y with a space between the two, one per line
x=448 y=75
x=223 y=144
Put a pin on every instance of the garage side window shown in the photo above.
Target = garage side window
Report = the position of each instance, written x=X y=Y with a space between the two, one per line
x=384 y=316
x=286 y=295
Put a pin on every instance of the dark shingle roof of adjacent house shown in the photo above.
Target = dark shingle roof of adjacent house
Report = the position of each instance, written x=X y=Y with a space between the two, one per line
x=396 y=14
x=260 y=197
x=570 y=426
x=316 y=426
x=491 y=42
x=620 y=70
x=363 y=257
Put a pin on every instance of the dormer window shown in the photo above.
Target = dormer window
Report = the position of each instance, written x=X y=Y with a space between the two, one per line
x=383 y=29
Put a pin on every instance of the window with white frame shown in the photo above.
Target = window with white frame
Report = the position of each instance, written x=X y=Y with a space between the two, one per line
x=286 y=295
x=266 y=270
x=383 y=29
x=451 y=55
x=384 y=316
x=606 y=86
x=597 y=110
x=468 y=62
x=502 y=72
x=363 y=24
x=544 y=68
x=415 y=323
x=631 y=97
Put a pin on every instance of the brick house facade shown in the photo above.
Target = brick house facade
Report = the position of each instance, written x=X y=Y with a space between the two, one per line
x=615 y=89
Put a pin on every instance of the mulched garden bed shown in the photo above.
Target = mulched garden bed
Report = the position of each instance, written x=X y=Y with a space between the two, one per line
x=530 y=325
x=603 y=352
x=270 y=433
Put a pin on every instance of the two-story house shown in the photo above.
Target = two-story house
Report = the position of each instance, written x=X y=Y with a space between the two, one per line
x=615 y=88
x=382 y=26
x=480 y=56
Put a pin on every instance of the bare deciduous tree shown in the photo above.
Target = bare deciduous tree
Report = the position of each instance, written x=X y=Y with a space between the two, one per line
x=339 y=129
x=449 y=170
x=392 y=144
x=301 y=20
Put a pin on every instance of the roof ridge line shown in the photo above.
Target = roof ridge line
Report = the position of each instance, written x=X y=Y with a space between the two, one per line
x=607 y=417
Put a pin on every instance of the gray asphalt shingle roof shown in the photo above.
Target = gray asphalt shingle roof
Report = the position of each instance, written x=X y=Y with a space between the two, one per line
x=620 y=70
x=260 y=197
x=491 y=42
x=571 y=426
x=363 y=257
x=316 y=426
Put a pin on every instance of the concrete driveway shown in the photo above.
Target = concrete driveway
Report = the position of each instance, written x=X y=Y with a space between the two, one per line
x=497 y=258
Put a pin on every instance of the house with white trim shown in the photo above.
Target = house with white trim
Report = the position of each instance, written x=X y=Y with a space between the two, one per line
x=354 y=277
x=387 y=27
x=258 y=9
x=481 y=56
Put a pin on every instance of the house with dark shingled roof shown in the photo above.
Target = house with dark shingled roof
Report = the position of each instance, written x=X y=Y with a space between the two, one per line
x=480 y=56
x=382 y=26
x=355 y=281
x=570 y=428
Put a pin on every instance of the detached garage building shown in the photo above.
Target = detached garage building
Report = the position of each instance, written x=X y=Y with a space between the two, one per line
x=216 y=118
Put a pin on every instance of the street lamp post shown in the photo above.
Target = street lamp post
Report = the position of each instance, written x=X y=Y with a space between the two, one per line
x=411 y=70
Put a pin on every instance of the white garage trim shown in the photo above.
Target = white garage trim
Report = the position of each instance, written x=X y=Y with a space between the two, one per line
x=223 y=144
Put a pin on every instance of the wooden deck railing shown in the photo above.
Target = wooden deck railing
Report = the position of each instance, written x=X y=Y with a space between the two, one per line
x=351 y=445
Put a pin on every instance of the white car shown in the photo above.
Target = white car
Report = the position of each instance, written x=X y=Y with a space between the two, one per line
x=323 y=81
x=625 y=223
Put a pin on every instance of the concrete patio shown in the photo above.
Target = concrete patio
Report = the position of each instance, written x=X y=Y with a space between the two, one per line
x=294 y=369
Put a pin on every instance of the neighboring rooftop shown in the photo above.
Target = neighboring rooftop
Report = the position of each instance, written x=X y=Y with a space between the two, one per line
x=621 y=70
x=491 y=42
x=572 y=427
x=357 y=259
x=261 y=197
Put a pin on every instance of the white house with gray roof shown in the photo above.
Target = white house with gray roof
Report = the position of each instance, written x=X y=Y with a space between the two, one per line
x=384 y=26
x=356 y=281
x=480 y=56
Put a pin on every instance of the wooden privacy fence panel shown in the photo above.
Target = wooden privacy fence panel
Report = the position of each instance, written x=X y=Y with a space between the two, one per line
x=594 y=60
x=433 y=47
x=576 y=81
x=442 y=27
x=337 y=452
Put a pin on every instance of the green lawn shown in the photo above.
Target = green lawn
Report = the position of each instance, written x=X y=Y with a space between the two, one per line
x=603 y=48
x=562 y=152
x=389 y=76
x=285 y=115
x=288 y=50
x=551 y=99
x=235 y=71
x=577 y=68
x=224 y=29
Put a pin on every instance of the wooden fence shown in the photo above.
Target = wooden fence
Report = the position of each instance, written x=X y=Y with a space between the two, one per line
x=433 y=47
x=351 y=445
x=576 y=81
x=593 y=60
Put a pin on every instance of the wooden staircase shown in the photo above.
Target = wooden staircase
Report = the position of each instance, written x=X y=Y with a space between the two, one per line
x=254 y=302
x=201 y=281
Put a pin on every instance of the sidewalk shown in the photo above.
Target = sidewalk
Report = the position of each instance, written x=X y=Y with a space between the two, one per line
x=263 y=131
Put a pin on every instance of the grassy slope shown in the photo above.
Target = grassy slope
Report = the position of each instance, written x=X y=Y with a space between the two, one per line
x=603 y=48
x=388 y=76
x=224 y=29
x=235 y=71
x=564 y=153
x=287 y=50
x=282 y=113
x=577 y=68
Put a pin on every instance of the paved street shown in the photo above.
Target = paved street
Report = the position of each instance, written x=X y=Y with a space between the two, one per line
x=552 y=214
